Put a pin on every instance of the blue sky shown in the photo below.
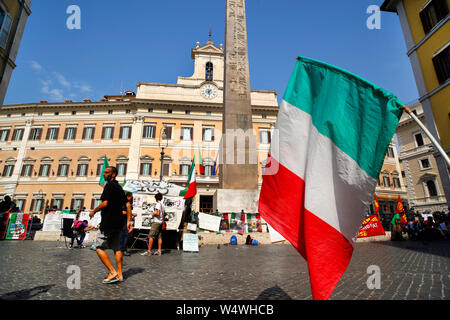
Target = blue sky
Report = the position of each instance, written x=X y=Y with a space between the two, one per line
x=121 y=43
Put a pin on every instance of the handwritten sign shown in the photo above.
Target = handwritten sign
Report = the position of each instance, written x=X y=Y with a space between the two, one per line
x=190 y=242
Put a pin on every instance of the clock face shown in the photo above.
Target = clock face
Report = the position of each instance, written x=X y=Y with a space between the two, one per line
x=209 y=91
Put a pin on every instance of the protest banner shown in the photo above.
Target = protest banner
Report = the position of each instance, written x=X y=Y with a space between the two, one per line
x=371 y=227
x=17 y=227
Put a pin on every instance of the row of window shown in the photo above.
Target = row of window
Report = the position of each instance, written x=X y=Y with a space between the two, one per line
x=186 y=133
x=83 y=170
x=63 y=170
x=386 y=182
x=69 y=133
x=37 y=205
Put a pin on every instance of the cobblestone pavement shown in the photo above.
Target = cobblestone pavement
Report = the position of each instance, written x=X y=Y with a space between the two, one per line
x=38 y=271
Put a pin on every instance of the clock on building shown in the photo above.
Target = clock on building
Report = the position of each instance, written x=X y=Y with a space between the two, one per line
x=209 y=91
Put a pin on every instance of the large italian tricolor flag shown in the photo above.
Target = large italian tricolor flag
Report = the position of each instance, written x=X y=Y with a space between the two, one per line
x=331 y=135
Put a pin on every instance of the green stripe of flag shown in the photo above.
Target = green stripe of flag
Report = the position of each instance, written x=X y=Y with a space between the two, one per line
x=359 y=117
x=105 y=165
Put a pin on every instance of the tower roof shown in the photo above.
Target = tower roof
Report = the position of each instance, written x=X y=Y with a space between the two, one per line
x=208 y=48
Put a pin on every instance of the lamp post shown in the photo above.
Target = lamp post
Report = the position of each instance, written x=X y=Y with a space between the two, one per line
x=40 y=195
x=162 y=145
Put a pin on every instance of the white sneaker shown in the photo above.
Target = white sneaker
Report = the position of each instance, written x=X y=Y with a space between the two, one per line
x=146 y=253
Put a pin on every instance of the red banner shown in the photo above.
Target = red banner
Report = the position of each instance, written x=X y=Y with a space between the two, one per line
x=371 y=227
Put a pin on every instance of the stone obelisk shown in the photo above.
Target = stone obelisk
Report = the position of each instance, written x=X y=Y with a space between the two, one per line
x=238 y=168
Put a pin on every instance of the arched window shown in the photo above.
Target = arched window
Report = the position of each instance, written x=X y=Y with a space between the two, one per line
x=431 y=188
x=209 y=71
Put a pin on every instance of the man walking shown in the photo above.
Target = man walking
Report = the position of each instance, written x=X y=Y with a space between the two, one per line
x=108 y=237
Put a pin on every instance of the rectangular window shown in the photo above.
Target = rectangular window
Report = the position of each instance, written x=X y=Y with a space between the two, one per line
x=419 y=139
x=396 y=182
x=208 y=134
x=184 y=169
x=264 y=136
x=166 y=167
x=386 y=181
x=52 y=134
x=125 y=132
x=27 y=170
x=96 y=203
x=149 y=132
x=186 y=133
x=4 y=134
x=35 y=134
x=38 y=205
x=208 y=170
x=146 y=169
x=17 y=134
x=5 y=29
x=8 y=170
x=20 y=204
x=70 y=133
x=99 y=169
x=88 y=133
x=121 y=169
x=435 y=11
x=63 y=170
x=58 y=203
x=78 y=204
x=168 y=132
x=441 y=64
x=107 y=133
x=44 y=170
x=391 y=152
x=82 y=170
x=425 y=164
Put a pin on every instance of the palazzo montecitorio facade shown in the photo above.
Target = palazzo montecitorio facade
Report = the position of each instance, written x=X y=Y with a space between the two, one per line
x=52 y=153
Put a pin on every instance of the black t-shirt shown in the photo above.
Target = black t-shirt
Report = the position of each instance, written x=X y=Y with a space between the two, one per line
x=112 y=217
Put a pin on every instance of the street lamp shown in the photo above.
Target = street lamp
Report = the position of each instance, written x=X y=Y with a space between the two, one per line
x=40 y=195
x=162 y=145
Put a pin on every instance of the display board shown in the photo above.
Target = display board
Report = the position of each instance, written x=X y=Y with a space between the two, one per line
x=209 y=222
x=144 y=206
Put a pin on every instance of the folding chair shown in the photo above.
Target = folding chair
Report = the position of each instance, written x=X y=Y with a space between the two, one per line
x=66 y=230
x=141 y=237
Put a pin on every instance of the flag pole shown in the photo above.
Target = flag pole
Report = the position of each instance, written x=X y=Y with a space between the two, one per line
x=429 y=135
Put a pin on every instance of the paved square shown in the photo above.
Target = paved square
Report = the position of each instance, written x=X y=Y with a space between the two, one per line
x=39 y=271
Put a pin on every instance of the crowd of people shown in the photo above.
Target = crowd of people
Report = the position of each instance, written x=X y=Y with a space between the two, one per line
x=433 y=226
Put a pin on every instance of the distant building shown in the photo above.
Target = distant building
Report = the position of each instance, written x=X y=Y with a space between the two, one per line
x=390 y=185
x=426 y=29
x=424 y=185
x=13 y=18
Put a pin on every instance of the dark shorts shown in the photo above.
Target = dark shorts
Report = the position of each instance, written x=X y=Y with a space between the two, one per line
x=108 y=241
x=155 y=230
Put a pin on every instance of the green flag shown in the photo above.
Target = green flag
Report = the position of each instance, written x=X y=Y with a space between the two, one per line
x=102 y=181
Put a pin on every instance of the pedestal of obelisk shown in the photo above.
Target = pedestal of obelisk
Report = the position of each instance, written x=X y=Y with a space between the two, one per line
x=238 y=166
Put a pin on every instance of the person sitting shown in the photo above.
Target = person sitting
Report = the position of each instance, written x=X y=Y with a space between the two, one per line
x=79 y=231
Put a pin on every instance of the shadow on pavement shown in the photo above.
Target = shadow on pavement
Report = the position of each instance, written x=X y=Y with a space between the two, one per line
x=27 y=293
x=132 y=271
x=274 y=293
x=435 y=247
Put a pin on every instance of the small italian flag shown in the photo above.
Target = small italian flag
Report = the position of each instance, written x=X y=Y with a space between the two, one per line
x=200 y=163
x=191 y=191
